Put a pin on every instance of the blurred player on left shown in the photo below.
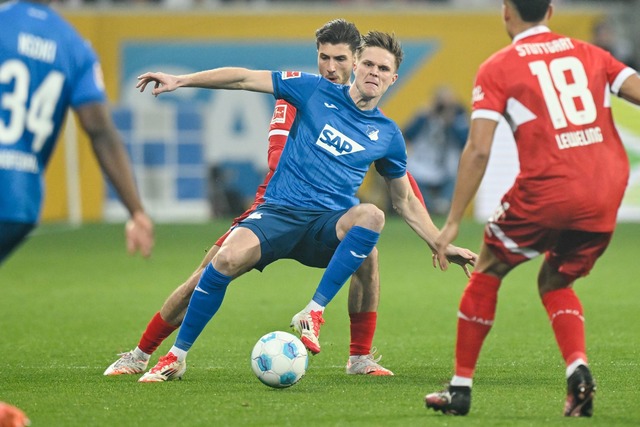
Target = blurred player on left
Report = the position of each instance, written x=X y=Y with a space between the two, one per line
x=45 y=68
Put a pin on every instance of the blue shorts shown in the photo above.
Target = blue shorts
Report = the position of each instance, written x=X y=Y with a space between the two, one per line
x=11 y=235
x=307 y=236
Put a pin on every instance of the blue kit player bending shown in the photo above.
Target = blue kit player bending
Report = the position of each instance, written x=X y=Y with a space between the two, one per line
x=45 y=68
x=311 y=213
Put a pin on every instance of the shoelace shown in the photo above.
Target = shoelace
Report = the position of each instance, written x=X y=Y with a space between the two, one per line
x=374 y=350
x=124 y=357
x=164 y=361
x=317 y=319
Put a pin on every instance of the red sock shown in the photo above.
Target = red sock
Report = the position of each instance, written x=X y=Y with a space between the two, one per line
x=565 y=312
x=363 y=326
x=475 y=318
x=157 y=331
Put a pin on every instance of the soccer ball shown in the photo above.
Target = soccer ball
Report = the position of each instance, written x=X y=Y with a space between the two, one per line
x=279 y=359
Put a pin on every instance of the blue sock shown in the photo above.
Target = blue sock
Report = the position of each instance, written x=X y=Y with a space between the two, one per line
x=349 y=255
x=204 y=303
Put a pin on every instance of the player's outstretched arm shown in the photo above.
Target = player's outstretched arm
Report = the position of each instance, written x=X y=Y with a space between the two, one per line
x=219 y=78
x=112 y=157
x=473 y=164
x=414 y=213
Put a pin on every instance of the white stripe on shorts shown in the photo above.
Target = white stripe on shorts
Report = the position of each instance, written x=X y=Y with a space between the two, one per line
x=510 y=244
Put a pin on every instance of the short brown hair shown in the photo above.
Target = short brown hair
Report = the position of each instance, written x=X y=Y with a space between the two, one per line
x=385 y=41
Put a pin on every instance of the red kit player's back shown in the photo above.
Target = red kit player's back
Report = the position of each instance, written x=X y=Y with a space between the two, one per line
x=555 y=93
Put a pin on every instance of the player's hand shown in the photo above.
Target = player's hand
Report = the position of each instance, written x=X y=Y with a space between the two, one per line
x=161 y=82
x=139 y=233
x=461 y=256
x=446 y=253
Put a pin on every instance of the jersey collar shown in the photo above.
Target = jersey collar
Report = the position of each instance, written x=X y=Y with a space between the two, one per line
x=538 y=29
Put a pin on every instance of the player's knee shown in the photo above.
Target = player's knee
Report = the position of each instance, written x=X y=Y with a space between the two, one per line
x=371 y=217
x=229 y=261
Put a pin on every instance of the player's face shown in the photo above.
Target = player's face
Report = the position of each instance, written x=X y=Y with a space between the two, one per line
x=375 y=71
x=335 y=62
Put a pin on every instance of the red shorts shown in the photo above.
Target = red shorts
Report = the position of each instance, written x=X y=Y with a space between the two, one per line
x=513 y=240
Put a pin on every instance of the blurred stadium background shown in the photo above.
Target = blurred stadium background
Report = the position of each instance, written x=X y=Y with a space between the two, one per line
x=200 y=154
x=72 y=298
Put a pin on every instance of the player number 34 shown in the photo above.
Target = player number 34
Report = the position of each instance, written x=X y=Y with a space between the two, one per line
x=35 y=116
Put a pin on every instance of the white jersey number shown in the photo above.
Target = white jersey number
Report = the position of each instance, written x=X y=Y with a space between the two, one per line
x=564 y=85
x=38 y=119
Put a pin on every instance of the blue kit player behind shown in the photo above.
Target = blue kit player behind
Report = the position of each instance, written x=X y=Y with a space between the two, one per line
x=311 y=213
x=45 y=68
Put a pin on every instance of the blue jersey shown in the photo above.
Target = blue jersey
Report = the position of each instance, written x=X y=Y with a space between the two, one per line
x=331 y=145
x=45 y=67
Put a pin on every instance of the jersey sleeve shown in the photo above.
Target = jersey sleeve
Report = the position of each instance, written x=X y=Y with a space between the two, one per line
x=489 y=100
x=294 y=87
x=284 y=115
x=617 y=72
x=87 y=85
x=394 y=164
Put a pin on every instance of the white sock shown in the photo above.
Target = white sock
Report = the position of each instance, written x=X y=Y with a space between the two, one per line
x=461 y=381
x=141 y=354
x=314 y=306
x=179 y=353
x=572 y=367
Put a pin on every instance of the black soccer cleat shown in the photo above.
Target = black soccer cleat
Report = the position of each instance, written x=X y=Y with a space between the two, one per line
x=454 y=400
x=581 y=389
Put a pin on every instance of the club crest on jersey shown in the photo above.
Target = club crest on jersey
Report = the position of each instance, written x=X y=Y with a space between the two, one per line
x=336 y=142
x=290 y=75
x=372 y=133
x=279 y=114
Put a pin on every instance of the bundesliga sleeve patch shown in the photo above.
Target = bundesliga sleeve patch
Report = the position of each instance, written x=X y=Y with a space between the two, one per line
x=279 y=114
x=290 y=75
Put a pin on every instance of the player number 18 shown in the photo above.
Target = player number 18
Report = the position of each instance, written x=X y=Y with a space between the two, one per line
x=564 y=85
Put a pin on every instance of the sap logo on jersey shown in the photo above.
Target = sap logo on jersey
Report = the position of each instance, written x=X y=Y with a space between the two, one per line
x=336 y=142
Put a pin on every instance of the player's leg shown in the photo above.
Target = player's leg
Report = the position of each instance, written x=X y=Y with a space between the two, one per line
x=175 y=307
x=364 y=294
x=238 y=254
x=12 y=234
x=573 y=257
x=161 y=325
x=509 y=240
x=358 y=230
x=476 y=313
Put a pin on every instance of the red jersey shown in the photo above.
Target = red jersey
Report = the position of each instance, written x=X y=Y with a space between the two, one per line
x=555 y=93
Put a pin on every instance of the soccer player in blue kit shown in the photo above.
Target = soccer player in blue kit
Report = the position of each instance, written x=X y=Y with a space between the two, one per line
x=45 y=68
x=311 y=213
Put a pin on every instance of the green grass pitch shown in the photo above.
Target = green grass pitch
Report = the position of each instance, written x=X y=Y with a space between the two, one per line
x=71 y=299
